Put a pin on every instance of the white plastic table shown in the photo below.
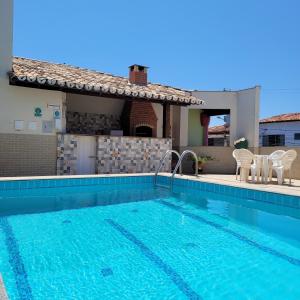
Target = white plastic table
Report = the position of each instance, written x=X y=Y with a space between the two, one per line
x=264 y=167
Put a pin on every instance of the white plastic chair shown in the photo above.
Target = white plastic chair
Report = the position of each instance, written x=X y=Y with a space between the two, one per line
x=238 y=164
x=244 y=160
x=275 y=160
x=285 y=164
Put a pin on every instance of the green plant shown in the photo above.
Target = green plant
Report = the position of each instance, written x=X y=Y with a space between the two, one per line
x=241 y=143
x=202 y=160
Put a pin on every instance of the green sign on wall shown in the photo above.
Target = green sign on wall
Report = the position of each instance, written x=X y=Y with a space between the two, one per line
x=37 y=112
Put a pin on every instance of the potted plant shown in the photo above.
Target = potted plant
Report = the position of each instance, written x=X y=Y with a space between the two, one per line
x=202 y=160
x=241 y=143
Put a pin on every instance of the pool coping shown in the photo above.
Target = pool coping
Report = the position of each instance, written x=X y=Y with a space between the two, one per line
x=74 y=176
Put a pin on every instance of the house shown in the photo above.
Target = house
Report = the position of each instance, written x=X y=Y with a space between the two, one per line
x=281 y=130
x=218 y=136
x=62 y=119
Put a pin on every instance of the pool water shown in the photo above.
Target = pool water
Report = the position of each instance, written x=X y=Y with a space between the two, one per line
x=144 y=242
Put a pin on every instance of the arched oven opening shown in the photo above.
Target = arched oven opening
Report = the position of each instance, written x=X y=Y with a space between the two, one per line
x=143 y=131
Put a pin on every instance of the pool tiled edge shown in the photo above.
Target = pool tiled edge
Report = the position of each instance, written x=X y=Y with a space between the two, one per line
x=111 y=179
x=252 y=194
x=69 y=181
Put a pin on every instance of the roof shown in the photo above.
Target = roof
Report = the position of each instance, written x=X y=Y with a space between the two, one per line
x=54 y=76
x=282 y=118
x=220 y=129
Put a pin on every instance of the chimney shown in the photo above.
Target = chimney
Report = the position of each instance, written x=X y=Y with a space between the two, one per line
x=138 y=74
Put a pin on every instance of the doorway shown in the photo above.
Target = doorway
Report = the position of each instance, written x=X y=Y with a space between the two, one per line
x=86 y=160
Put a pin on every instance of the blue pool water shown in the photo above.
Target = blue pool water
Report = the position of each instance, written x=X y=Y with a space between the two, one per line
x=136 y=241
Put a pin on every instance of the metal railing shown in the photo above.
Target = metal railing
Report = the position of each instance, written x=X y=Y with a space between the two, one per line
x=180 y=161
x=163 y=160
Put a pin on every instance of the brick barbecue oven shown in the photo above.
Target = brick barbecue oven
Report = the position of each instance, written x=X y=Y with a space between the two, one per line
x=139 y=118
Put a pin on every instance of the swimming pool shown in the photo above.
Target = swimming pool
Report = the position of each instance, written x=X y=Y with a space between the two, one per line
x=123 y=238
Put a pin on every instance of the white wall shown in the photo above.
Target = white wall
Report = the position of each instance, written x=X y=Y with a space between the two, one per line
x=18 y=103
x=158 y=109
x=244 y=113
x=6 y=36
x=221 y=100
x=93 y=104
x=287 y=128
x=248 y=115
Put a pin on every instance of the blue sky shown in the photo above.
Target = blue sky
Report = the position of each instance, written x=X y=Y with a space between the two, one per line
x=205 y=45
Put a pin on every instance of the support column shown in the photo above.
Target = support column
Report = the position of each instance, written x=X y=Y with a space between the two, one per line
x=205 y=119
x=164 y=120
x=6 y=36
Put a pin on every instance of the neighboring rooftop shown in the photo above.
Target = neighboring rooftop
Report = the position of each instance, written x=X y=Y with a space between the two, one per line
x=220 y=129
x=282 y=118
x=42 y=74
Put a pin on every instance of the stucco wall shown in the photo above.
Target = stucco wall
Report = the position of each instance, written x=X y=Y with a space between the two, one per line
x=286 y=128
x=248 y=115
x=18 y=103
x=93 y=104
x=244 y=113
x=223 y=162
x=6 y=36
x=220 y=100
x=158 y=109
x=195 y=130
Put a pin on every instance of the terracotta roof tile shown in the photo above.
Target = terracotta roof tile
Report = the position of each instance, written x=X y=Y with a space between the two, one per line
x=220 y=129
x=282 y=118
x=29 y=72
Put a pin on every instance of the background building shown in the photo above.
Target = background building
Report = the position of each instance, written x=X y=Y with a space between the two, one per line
x=281 y=130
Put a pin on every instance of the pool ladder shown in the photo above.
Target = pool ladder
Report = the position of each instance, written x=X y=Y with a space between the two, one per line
x=178 y=165
x=162 y=161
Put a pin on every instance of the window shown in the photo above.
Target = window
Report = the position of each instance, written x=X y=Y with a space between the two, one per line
x=274 y=140
x=297 y=136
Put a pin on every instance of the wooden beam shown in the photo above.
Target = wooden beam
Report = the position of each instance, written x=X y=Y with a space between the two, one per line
x=164 y=120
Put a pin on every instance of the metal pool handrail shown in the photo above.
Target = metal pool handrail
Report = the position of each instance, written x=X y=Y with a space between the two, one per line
x=162 y=162
x=180 y=160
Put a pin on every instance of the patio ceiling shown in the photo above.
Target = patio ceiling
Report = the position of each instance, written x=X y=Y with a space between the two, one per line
x=62 y=77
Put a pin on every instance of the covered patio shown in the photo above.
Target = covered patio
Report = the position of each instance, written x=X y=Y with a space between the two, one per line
x=106 y=123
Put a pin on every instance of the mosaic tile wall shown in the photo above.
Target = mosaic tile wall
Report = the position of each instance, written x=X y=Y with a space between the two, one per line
x=66 y=154
x=131 y=154
x=90 y=123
